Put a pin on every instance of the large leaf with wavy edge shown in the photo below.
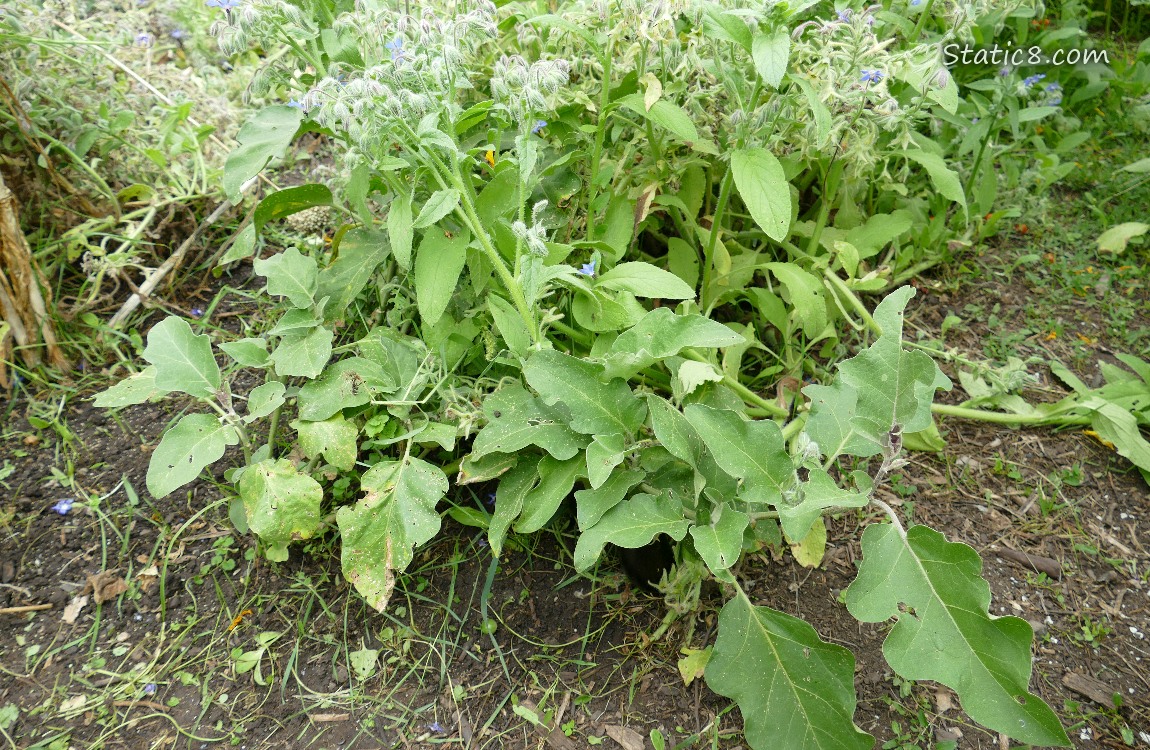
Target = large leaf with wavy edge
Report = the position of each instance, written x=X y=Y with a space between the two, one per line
x=303 y=356
x=795 y=691
x=899 y=387
x=290 y=274
x=135 y=389
x=380 y=532
x=597 y=408
x=282 y=504
x=661 y=334
x=752 y=452
x=266 y=135
x=334 y=438
x=516 y=419
x=945 y=633
x=196 y=441
x=631 y=524
x=347 y=383
x=183 y=360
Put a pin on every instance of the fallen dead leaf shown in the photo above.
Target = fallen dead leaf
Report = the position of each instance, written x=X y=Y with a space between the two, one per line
x=72 y=611
x=628 y=738
x=148 y=577
x=105 y=586
x=73 y=703
x=942 y=701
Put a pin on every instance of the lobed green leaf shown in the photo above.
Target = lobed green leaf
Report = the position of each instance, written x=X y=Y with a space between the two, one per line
x=795 y=690
x=945 y=633
x=183 y=360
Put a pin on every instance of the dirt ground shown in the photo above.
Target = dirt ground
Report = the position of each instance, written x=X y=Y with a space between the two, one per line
x=187 y=639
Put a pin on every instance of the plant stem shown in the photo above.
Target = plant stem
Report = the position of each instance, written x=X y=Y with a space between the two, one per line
x=914 y=35
x=990 y=130
x=998 y=417
x=716 y=226
x=841 y=289
x=600 y=134
x=892 y=515
x=467 y=203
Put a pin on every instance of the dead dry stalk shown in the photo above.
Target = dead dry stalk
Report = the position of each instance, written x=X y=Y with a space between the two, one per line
x=24 y=296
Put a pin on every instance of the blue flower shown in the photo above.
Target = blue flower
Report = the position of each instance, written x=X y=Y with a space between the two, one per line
x=915 y=3
x=63 y=506
x=539 y=125
x=1053 y=87
x=196 y=312
x=872 y=76
x=178 y=34
x=490 y=501
x=150 y=688
x=588 y=269
x=1056 y=102
x=845 y=15
x=295 y=104
x=225 y=5
x=1031 y=80
x=436 y=727
x=144 y=39
x=396 y=47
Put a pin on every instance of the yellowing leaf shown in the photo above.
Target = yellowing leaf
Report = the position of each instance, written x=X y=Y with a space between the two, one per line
x=810 y=551
x=693 y=663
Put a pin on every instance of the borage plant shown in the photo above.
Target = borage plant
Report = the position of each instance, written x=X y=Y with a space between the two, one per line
x=573 y=292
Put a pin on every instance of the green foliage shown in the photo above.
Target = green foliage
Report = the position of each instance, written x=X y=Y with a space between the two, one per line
x=264 y=137
x=581 y=293
x=797 y=690
x=947 y=635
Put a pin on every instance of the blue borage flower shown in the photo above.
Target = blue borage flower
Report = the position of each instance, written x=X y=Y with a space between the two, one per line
x=225 y=5
x=1031 y=80
x=1053 y=87
x=396 y=48
x=539 y=125
x=295 y=104
x=872 y=76
x=196 y=312
x=64 y=505
x=845 y=15
x=587 y=269
x=144 y=39
x=150 y=688
x=436 y=727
